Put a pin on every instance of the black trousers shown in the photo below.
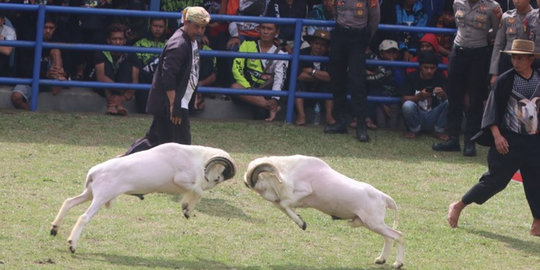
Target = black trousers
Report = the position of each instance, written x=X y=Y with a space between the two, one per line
x=467 y=73
x=347 y=69
x=524 y=155
x=161 y=131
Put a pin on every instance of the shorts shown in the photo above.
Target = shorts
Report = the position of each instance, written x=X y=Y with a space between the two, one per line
x=25 y=90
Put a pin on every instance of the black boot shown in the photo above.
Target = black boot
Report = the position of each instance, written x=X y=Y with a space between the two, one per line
x=452 y=145
x=470 y=149
x=337 y=127
x=361 y=133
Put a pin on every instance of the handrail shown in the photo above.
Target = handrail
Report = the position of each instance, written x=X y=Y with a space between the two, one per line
x=294 y=58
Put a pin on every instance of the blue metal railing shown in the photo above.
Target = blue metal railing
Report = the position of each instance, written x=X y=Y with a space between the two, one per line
x=294 y=58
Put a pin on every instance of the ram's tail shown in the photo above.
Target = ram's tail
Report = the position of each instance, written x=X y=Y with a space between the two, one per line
x=391 y=204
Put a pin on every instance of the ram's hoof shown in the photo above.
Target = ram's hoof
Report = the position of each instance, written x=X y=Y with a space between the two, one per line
x=54 y=230
x=71 y=248
x=186 y=215
x=304 y=226
x=380 y=261
x=397 y=265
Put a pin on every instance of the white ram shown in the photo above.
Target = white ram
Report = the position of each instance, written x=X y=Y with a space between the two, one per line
x=170 y=168
x=308 y=182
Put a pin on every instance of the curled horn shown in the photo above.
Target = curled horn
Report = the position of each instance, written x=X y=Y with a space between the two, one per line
x=229 y=171
x=264 y=167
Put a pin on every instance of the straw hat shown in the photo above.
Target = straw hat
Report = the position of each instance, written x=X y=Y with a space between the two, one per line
x=522 y=46
x=322 y=34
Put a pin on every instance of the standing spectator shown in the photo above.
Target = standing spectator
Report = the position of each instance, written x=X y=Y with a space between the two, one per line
x=425 y=105
x=287 y=9
x=468 y=70
x=314 y=76
x=260 y=73
x=410 y=13
x=51 y=66
x=514 y=139
x=156 y=37
x=324 y=11
x=114 y=66
x=6 y=33
x=514 y=24
x=356 y=23
x=174 y=82
x=240 y=31
x=384 y=81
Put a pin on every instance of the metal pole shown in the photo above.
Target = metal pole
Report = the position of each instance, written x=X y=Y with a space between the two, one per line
x=294 y=71
x=37 y=57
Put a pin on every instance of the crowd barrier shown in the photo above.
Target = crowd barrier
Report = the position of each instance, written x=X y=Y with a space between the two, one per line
x=293 y=58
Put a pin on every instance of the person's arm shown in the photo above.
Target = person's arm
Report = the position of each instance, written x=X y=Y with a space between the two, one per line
x=280 y=73
x=374 y=17
x=501 y=144
x=500 y=42
x=4 y=49
x=495 y=19
x=173 y=61
x=100 y=73
x=239 y=64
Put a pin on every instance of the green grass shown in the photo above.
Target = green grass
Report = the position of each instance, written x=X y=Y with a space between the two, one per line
x=44 y=158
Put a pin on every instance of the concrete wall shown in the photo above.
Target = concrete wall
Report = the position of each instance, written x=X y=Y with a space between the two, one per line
x=86 y=100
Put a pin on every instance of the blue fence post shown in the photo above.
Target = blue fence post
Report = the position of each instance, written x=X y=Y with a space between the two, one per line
x=37 y=57
x=294 y=70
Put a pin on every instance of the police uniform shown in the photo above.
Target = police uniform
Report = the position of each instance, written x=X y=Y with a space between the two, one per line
x=534 y=31
x=468 y=70
x=356 y=23
x=513 y=25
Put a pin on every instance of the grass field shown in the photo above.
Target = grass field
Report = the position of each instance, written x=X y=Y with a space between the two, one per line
x=44 y=158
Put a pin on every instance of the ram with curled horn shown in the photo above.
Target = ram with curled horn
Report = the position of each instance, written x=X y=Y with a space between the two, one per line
x=172 y=168
x=298 y=181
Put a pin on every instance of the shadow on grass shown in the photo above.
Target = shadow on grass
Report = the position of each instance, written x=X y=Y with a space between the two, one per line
x=220 y=208
x=200 y=263
x=530 y=247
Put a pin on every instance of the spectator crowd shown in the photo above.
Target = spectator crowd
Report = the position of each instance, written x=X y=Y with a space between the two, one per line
x=424 y=90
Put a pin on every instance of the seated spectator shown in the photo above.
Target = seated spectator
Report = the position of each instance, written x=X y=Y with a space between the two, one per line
x=156 y=37
x=260 y=73
x=410 y=13
x=6 y=33
x=314 y=76
x=425 y=103
x=429 y=43
x=51 y=67
x=207 y=77
x=113 y=66
x=384 y=81
x=240 y=31
x=287 y=9
x=324 y=11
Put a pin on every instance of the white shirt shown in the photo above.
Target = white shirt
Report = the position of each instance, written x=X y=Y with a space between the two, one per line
x=8 y=32
x=193 y=76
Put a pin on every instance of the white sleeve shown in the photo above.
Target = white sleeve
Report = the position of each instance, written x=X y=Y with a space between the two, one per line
x=233 y=29
x=280 y=74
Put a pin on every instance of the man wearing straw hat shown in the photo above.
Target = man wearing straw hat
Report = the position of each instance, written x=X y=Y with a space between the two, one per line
x=510 y=128
x=173 y=84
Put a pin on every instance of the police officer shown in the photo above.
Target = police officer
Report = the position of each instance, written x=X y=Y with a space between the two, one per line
x=468 y=69
x=356 y=23
x=514 y=25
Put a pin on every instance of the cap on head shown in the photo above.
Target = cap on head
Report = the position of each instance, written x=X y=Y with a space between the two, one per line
x=197 y=15
x=388 y=44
